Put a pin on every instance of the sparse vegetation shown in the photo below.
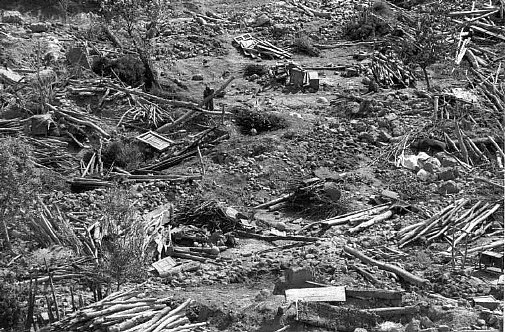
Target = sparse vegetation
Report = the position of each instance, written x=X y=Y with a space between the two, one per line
x=256 y=121
x=10 y=308
x=128 y=69
x=304 y=45
x=18 y=180
x=427 y=47
x=124 y=153
x=126 y=16
x=255 y=69
x=122 y=244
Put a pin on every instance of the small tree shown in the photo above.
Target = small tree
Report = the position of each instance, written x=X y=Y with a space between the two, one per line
x=18 y=180
x=127 y=15
x=426 y=47
x=123 y=238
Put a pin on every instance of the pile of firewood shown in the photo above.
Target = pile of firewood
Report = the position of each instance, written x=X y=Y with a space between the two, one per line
x=51 y=153
x=455 y=222
x=128 y=311
x=389 y=72
x=9 y=126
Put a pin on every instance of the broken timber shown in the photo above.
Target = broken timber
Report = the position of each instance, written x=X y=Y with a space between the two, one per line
x=316 y=294
x=405 y=275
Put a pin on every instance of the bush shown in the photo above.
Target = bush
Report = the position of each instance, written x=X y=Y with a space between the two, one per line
x=252 y=69
x=10 y=307
x=124 y=154
x=18 y=180
x=426 y=47
x=122 y=245
x=254 y=120
x=369 y=23
x=128 y=69
x=304 y=45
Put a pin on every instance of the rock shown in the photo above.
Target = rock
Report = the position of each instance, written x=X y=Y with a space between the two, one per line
x=390 y=327
x=430 y=164
x=322 y=100
x=197 y=77
x=360 y=329
x=279 y=30
x=262 y=20
x=200 y=20
x=446 y=160
x=443 y=328
x=448 y=173
x=391 y=117
x=428 y=144
x=481 y=322
x=297 y=276
x=448 y=187
x=12 y=16
x=370 y=137
x=409 y=162
x=351 y=72
x=426 y=322
x=78 y=57
x=8 y=76
x=39 y=27
x=384 y=136
x=332 y=190
x=447 y=307
x=413 y=326
x=425 y=176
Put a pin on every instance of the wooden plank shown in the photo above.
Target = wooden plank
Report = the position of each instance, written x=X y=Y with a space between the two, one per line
x=320 y=294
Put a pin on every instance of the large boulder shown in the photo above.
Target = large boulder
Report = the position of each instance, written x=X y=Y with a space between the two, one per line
x=12 y=16
x=39 y=27
x=448 y=187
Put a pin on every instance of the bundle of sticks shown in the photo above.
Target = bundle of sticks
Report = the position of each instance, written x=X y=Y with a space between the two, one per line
x=208 y=214
x=456 y=222
x=491 y=89
x=480 y=20
x=128 y=311
x=360 y=220
x=78 y=118
x=10 y=126
x=51 y=153
x=390 y=72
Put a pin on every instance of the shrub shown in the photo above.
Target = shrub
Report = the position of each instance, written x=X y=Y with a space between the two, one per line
x=369 y=23
x=10 y=307
x=122 y=245
x=252 y=69
x=128 y=69
x=304 y=45
x=426 y=47
x=255 y=120
x=124 y=154
x=18 y=180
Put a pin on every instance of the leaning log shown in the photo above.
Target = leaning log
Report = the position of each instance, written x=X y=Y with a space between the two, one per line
x=405 y=275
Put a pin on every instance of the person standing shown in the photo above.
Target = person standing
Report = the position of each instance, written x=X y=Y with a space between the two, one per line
x=209 y=105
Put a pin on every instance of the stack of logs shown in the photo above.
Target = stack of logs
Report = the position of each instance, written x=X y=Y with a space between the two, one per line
x=390 y=72
x=128 y=311
x=457 y=222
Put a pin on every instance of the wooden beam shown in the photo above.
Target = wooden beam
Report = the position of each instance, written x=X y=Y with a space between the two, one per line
x=321 y=294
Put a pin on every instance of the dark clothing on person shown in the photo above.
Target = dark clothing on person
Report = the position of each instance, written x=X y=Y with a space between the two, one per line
x=209 y=105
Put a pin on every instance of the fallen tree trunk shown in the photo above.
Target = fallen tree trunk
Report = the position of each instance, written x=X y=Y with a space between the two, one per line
x=381 y=217
x=405 y=275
